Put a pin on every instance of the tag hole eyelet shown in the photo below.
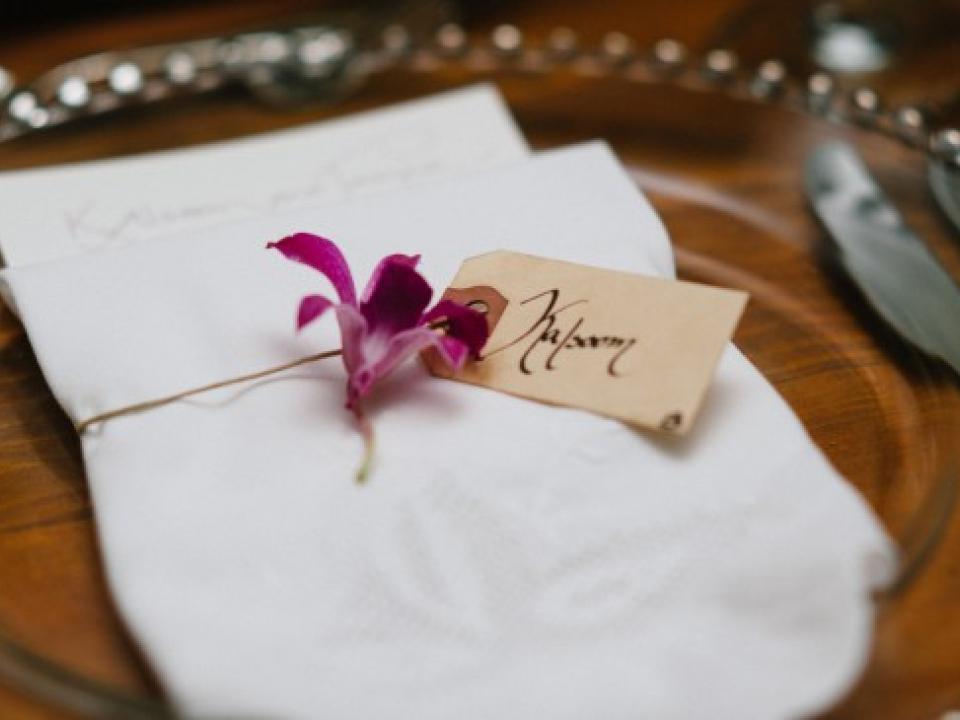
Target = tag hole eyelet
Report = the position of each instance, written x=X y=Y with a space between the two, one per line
x=479 y=305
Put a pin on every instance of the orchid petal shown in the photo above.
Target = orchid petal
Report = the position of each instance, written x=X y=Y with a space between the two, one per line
x=397 y=299
x=462 y=323
x=453 y=351
x=397 y=258
x=353 y=331
x=325 y=257
x=311 y=307
x=400 y=347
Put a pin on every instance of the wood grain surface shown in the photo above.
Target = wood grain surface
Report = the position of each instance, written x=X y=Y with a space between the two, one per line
x=725 y=176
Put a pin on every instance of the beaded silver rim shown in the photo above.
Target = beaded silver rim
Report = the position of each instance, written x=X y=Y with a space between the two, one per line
x=322 y=60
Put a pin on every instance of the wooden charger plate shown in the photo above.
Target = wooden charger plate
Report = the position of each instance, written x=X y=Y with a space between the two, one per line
x=726 y=177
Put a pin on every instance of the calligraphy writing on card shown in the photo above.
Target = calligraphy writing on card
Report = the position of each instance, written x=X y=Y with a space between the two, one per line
x=633 y=347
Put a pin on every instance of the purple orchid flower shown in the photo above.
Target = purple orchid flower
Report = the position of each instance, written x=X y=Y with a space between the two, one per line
x=389 y=324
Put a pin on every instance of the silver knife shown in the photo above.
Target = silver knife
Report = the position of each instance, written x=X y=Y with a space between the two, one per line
x=944 y=178
x=890 y=265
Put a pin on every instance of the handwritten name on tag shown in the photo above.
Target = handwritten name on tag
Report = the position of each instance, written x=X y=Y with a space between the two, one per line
x=632 y=347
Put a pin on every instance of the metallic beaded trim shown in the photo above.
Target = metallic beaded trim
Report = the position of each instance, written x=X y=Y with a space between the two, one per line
x=322 y=59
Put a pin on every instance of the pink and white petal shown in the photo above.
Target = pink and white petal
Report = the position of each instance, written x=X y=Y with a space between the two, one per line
x=453 y=351
x=397 y=299
x=400 y=347
x=353 y=333
x=409 y=260
x=322 y=255
x=403 y=346
x=311 y=307
x=462 y=323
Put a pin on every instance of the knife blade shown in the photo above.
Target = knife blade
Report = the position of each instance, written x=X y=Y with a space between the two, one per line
x=892 y=267
x=944 y=179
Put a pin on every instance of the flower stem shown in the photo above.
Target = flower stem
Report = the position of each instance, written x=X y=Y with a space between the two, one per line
x=366 y=429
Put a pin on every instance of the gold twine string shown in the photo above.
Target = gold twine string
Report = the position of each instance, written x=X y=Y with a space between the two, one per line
x=84 y=425
x=438 y=325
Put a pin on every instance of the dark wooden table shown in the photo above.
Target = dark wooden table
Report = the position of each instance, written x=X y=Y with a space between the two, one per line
x=915 y=672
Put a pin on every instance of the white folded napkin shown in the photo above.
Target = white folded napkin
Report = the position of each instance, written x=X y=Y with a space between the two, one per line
x=506 y=559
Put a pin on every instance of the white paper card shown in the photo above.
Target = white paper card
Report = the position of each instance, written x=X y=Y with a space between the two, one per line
x=50 y=213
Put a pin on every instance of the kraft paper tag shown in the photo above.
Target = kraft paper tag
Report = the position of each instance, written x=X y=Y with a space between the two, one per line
x=637 y=348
